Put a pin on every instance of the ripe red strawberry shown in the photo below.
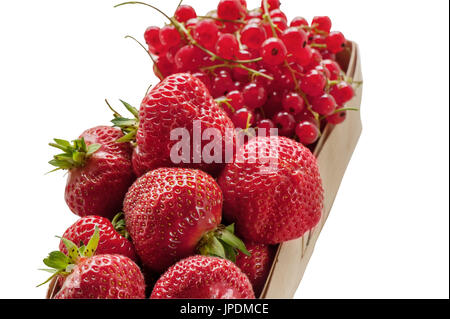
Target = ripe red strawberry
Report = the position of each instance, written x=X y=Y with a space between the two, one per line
x=272 y=190
x=177 y=102
x=113 y=236
x=100 y=171
x=257 y=266
x=201 y=277
x=83 y=275
x=173 y=213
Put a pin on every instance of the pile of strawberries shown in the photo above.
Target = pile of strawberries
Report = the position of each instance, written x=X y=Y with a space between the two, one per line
x=158 y=221
x=263 y=70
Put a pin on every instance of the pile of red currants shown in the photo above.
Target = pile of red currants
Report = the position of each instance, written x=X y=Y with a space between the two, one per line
x=265 y=72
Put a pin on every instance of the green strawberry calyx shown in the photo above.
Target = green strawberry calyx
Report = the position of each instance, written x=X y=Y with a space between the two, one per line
x=74 y=154
x=222 y=242
x=61 y=264
x=129 y=126
x=118 y=223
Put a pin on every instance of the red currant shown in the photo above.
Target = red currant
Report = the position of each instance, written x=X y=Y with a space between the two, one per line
x=337 y=118
x=285 y=123
x=304 y=56
x=298 y=22
x=307 y=133
x=333 y=68
x=324 y=105
x=151 y=37
x=222 y=84
x=273 y=51
x=293 y=103
x=169 y=36
x=202 y=76
x=253 y=35
x=227 y=46
x=271 y=4
x=243 y=118
x=255 y=95
x=313 y=83
x=335 y=42
x=236 y=99
x=295 y=39
x=322 y=23
x=277 y=13
x=184 y=13
x=230 y=9
x=206 y=33
x=264 y=127
x=342 y=92
x=280 y=24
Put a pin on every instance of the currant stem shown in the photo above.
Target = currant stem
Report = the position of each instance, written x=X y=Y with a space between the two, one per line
x=269 y=19
x=148 y=53
x=233 y=65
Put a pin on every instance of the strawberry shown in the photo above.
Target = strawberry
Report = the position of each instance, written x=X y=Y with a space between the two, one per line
x=258 y=265
x=173 y=213
x=89 y=276
x=201 y=277
x=272 y=190
x=176 y=103
x=113 y=236
x=100 y=171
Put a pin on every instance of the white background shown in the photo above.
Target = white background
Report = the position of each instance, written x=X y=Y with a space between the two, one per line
x=387 y=236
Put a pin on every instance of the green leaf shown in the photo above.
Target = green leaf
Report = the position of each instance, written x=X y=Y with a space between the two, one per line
x=230 y=228
x=92 y=149
x=57 y=260
x=60 y=164
x=72 y=250
x=63 y=143
x=215 y=248
x=93 y=243
x=131 y=109
x=127 y=138
x=232 y=240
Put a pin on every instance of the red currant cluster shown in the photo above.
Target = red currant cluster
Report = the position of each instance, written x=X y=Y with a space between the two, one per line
x=264 y=72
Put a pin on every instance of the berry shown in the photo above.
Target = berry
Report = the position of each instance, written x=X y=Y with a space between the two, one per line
x=285 y=123
x=333 y=68
x=173 y=213
x=83 y=275
x=185 y=13
x=265 y=124
x=313 y=83
x=222 y=84
x=307 y=133
x=206 y=33
x=271 y=4
x=236 y=99
x=230 y=10
x=187 y=58
x=293 y=103
x=176 y=102
x=324 y=105
x=322 y=23
x=151 y=36
x=227 y=46
x=111 y=241
x=277 y=13
x=298 y=22
x=169 y=36
x=294 y=39
x=304 y=56
x=100 y=171
x=201 y=277
x=258 y=265
x=253 y=35
x=342 y=92
x=255 y=95
x=273 y=51
x=243 y=118
x=280 y=204
x=335 y=42
x=337 y=118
